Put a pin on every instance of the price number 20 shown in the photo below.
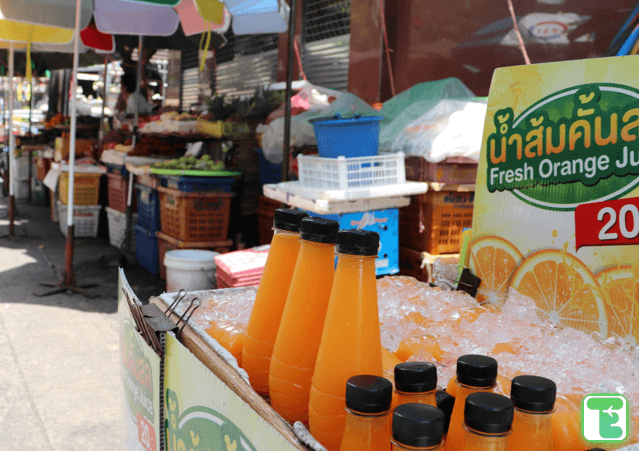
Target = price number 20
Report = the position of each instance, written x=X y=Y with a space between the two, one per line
x=623 y=219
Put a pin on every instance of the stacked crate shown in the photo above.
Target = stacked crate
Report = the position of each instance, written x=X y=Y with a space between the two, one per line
x=118 y=191
x=194 y=214
x=433 y=223
x=86 y=208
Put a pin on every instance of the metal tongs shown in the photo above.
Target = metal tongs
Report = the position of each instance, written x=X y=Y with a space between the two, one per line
x=193 y=306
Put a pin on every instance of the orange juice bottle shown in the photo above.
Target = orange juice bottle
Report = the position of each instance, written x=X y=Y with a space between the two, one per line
x=416 y=382
x=350 y=343
x=298 y=339
x=417 y=427
x=445 y=403
x=534 y=399
x=368 y=402
x=488 y=419
x=271 y=297
x=475 y=373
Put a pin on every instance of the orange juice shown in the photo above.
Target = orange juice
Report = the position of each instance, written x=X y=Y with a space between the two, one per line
x=416 y=382
x=230 y=336
x=300 y=332
x=445 y=403
x=475 y=373
x=368 y=401
x=566 y=431
x=534 y=399
x=417 y=427
x=350 y=343
x=488 y=419
x=271 y=297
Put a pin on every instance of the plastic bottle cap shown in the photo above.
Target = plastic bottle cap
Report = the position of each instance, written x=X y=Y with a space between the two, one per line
x=489 y=413
x=418 y=425
x=445 y=403
x=415 y=377
x=358 y=242
x=369 y=394
x=288 y=219
x=319 y=230
x=476 y=370
x=533 y=393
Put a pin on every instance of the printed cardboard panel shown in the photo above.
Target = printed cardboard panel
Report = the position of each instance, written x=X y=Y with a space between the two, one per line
x=557 y=208
x=203 y=413
x=140 y=367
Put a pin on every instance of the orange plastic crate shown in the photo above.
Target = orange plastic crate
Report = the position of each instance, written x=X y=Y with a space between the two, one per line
x=86 y=188
x=42 y=167
x=118 y=190
x=195 y=216
x=167 y=243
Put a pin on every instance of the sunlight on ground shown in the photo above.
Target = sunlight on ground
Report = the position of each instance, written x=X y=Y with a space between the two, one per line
x=14 y=258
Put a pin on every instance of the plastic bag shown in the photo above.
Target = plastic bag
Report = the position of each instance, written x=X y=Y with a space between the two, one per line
x=453 y=128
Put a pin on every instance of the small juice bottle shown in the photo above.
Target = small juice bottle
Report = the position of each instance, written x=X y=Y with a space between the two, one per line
x=445 y=403
x=534 y=399
x=416 y=382
x=417 y=427
x=350 y=343
x=368 y=402
x=475 y=373
x=271 y=297
x=488 y=419
x=300 y=332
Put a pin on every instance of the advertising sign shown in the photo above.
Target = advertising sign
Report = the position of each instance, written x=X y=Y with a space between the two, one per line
x=557 y=198
x=140 y=367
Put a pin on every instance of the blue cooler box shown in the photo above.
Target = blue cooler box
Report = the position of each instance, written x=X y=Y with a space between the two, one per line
x=146 y=250
x=384 y=222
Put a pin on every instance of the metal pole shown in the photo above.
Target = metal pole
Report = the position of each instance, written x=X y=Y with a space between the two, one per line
x=12 y=146
x=289 y=88
x=30 y=153
x=104 y=99
x=69 y=278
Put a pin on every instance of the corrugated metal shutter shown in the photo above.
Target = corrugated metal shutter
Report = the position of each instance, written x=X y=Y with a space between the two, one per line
x=326 y=36
x=190 y=78
x=244 y=63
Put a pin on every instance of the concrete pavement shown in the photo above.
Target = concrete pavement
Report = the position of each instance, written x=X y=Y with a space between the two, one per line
x=59 y=356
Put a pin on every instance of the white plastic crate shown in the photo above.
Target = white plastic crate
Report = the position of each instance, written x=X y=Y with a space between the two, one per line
x=117 y=227
x=85 y=219
x=351 y=173
x=21 y=169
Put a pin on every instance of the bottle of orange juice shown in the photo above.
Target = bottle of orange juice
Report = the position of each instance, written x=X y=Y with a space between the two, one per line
x=417 y=427
x=300 y=332
x=534 y=399
x=350 y=343
x=475 y=373
x=271 y=297
x=368 y=402
x=416 y=382
x=445 y=403
x=488 y=419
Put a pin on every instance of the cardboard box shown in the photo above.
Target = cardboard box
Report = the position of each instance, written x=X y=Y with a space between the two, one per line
x=452 y=170
x=410 y=264
x=384 y=222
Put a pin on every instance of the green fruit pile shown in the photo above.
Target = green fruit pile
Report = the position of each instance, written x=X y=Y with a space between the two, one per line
x=191 y=163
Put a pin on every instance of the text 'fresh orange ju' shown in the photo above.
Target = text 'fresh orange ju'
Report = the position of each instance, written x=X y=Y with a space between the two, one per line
x=298 y=339
x=488 y=419
x=475 y=373
x=418 y=427
x=534 y=399
x=368 y=403
x=271 y=297
x=350 y=343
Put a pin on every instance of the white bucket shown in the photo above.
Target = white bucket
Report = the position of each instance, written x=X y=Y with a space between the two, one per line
x=189 y=269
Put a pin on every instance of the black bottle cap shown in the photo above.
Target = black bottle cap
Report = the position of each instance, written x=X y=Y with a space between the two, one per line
x=319 y=230
x=445 y=403
x=288 y=219
x=369 y=394
x=418 y=425
x=415 y=377
x=358 y=242
x=533 y=393
x=476 y=370
x=489 y=413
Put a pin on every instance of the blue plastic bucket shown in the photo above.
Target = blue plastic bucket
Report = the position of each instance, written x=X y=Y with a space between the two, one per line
x=353 y=137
